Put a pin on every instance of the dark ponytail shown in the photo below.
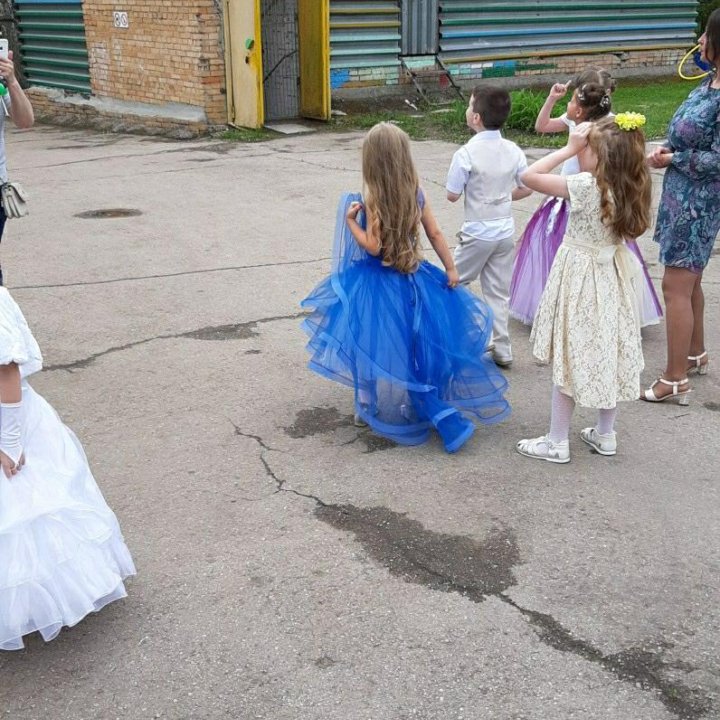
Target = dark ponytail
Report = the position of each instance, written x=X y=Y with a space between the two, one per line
x=595 y=101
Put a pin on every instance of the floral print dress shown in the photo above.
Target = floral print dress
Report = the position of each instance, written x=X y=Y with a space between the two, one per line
x=688 y=218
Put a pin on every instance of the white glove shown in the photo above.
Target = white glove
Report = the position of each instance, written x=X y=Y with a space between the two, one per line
x=12 y=421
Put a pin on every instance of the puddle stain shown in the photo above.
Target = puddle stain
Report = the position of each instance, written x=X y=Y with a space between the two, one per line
x=477 y=570
x=239 y=331
x=450 y=563
x=324 y=420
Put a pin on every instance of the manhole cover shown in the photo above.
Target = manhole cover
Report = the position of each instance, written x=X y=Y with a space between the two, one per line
x=109 y=213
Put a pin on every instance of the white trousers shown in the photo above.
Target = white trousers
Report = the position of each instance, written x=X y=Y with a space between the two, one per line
x=492 y=262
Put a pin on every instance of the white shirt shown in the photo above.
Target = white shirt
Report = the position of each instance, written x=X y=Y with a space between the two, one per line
x=3 y=169
x=459 y=175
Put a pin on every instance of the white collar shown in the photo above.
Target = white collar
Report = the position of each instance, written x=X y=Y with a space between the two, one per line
x=487 y=135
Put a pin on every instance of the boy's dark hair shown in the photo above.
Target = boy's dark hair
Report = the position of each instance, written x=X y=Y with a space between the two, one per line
x=492 y=104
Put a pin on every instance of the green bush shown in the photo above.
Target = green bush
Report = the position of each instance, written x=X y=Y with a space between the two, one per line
x=526 y=105
x=705 y=7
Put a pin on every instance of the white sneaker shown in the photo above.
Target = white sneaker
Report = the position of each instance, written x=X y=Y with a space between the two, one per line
x=500 y=361
x=602 y=444
x=543 y=448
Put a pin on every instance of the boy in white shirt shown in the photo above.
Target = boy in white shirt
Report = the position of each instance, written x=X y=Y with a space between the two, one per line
x=487 y=169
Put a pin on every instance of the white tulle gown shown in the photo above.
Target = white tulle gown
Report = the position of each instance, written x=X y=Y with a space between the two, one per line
x=62 y=554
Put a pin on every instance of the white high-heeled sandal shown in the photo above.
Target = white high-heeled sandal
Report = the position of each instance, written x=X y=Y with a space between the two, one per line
x=682 y=396
x=697 y=366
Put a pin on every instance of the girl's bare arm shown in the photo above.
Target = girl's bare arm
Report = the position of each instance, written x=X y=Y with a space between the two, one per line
x=439 y=244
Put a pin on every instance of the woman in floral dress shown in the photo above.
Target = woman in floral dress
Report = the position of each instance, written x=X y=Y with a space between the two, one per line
x=688 y=222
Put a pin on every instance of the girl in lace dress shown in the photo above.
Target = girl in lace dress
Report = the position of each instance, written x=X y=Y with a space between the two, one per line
x=588 y=321
x=61 y=551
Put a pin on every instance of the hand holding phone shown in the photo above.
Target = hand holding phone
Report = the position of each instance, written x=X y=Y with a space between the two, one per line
x=4 y=48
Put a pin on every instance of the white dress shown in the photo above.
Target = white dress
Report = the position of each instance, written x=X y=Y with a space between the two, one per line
x=588 y=320
x=62 y=554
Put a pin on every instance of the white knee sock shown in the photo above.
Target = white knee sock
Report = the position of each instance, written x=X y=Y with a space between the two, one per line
x=606 y=421
x=562 y=410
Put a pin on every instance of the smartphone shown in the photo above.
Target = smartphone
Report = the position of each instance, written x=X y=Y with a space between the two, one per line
x=4 y=48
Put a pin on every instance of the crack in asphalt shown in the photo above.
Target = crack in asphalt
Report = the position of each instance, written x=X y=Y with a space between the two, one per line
x=640 y=666
x=133 y=278
x=239 y=331
x=279 y=482
x=453 y=563
x=477 y=570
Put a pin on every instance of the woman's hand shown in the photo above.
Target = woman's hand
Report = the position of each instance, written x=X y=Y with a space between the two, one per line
x=354 y=209
x=453 y=277
x=10 y=467
x=557 y=91
x=7 y=69
x=660 y=157
x=577 y=140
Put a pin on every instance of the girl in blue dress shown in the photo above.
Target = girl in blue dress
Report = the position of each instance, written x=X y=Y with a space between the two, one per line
x=391 y=325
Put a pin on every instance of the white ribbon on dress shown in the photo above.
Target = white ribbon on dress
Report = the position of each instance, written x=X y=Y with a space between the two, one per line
x=628 y=266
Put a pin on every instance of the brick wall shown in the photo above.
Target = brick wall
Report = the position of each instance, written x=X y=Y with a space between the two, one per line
x=170 y=53
x=170 y=56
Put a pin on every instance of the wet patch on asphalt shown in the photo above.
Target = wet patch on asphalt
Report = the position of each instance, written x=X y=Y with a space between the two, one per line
x=324 y=420
x=450 y=563
x=477 y=570
x=317 y=420
x=240 y=331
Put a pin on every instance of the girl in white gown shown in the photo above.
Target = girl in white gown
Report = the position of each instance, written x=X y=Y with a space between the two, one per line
x=62 y=554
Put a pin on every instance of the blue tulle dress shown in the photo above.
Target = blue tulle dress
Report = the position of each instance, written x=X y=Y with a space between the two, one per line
x=413 y=349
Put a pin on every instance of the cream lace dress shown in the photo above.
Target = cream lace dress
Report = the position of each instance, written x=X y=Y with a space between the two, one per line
x=587 y=322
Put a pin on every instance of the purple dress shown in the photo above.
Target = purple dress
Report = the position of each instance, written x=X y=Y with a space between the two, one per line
x=536 y=252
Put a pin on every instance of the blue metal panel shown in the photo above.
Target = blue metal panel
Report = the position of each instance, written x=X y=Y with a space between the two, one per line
x=364 y=33
x=476 y=31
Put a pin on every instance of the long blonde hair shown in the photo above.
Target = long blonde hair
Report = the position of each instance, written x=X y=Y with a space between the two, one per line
x=391 y=196
x=622 y=178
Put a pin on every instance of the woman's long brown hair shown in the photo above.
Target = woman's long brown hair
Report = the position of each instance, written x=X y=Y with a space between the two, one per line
x=391 y=196
x=623 y=179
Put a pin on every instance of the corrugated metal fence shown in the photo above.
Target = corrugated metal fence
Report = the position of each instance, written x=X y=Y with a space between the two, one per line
x=498 y=29
x=52 y=38
x=420 y=27
x=364 y=33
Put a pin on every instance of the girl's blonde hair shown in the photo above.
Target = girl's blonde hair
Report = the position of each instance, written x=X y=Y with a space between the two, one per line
x=622 y=177
x=391 y=196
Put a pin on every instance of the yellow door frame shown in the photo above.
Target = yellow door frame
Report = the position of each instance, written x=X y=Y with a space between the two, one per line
x=314 y=58
x=243 y=63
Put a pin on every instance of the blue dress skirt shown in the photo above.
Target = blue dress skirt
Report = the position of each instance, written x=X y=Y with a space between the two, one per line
x=413 y=349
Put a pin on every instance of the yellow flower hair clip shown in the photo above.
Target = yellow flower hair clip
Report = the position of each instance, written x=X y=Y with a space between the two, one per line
x=629 y=120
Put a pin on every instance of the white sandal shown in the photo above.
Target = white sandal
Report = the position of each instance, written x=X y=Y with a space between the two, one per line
x=697 y=366
x=542 y=448
x=602 y=444
x=682 y=396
